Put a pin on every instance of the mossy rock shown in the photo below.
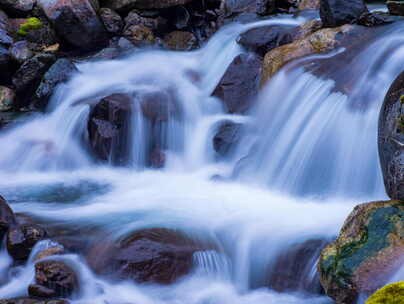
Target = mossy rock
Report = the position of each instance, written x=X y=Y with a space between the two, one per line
x=31 y=24
x=389 y=294
x=368 y=250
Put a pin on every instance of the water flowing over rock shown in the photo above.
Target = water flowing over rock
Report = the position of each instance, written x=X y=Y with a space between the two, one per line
x=76 y=21
x=391 y=139
x=155 y=255
x=239 y=85
x=339 y=12
x=368 y=250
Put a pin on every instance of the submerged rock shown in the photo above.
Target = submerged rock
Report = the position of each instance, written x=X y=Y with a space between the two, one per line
x=54 y=278
x=227 y=137
x=59 y=72
x=390 y=294
x=22 y=238
x=7 y=218
x=367 y=252
x=391 y=139
x=154 y=255
x=335 y=13
x=239 y=85
x=76 y=21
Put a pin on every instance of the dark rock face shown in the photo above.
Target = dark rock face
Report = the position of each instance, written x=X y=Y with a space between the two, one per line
x=20 y=51
x=112 y=20
x=155 y=255
x=58 y=73
x=292 y=268
x=239 y=85
x=28 y=77
x=226 y=137
x=5 y=37
x=108 y=127
x=367 y=252
x=18 y=6
x=54 y=276
x=77 y=22
x=391 y=139
x=263 y=39
x=334 y=13
x=22 y=238
x=40 y=291
x=122 y=5
x=7 y=218
x=7 y=66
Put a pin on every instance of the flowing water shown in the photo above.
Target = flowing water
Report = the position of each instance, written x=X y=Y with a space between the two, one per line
x=307 y=155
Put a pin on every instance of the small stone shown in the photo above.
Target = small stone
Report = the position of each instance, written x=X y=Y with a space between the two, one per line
x=140 y=35
x=7 y=98
x=111 y=19
x=180 y=41
x=20 y=51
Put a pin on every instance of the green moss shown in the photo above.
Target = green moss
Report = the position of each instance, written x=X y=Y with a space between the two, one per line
x=402 y=99
x=400 y=123
x=31 y=24
x=390 y=294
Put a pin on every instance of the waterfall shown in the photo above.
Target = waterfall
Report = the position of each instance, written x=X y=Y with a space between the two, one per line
x=307 y=149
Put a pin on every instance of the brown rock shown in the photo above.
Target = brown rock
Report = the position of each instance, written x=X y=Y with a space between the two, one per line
x=139 y=35
x=22 y=238
x=180 y=41
x=309 y=4
x=112 y=20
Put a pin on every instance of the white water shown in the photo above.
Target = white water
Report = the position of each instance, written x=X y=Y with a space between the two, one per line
x=308 y=143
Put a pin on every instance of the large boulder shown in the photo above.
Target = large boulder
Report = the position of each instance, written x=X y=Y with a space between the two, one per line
x=124 y=5
x=335 y=13
x=391 y=139
x=29 y=75
x=7 y=218
x=239 y=85
x=22 y=238
x=369 y=249
x=390 y=294
x=76 y=21
x=54 y=279
x=318 y=42
x=154 y=255
x=59 y=72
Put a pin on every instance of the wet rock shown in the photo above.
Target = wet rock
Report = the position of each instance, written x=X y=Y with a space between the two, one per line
x=306 y=29
x=396 y=7
x=321 y=41
x=7 y=218
x=42 y=36
x=367 y=252
x=227 y=136
x=309 y=4
x=59 y=72
x=29 y=75
x=49 y=252
x=391 y=139
x=7 y=98
x=373 y=19
x=154 y=255
x=392 y=293
x=76 y=21
x=263 y=39
x=180 y=41
x=239 y=85
x=20 y=51
x=157 y=159
x=18 y=6
x=125 y=5
x=134 y=18
x=5 y=37
x=22 y=238
x=139 y=35
x=56 y=276
x=290 y=272
x=157 y=104
x=335 y=13
x=108 y=127
x=232 y=7
x=40 y=291
x=112 y=20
